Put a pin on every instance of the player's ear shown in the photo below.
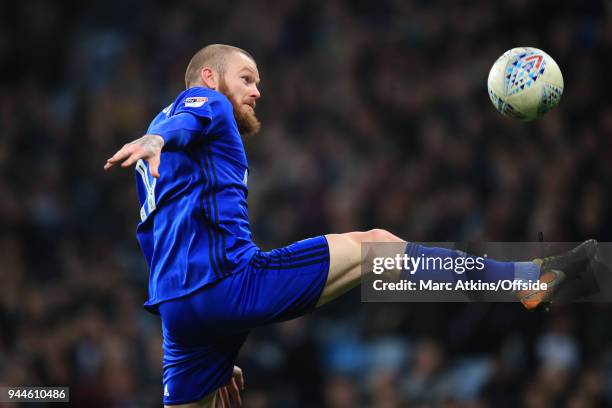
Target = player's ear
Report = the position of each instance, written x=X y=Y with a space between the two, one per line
x=210 y=78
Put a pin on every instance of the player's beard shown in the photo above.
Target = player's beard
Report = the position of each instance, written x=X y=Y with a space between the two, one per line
x=248 y=124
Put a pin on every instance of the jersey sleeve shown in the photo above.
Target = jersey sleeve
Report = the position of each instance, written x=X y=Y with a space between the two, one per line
x=196 y=116
x=180 y=130
x=210 y=106
x=200 y=106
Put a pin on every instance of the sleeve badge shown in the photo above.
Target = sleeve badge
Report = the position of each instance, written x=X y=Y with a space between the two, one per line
x=195 y=102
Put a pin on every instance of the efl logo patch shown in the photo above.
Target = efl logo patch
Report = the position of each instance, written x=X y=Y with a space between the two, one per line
x=195 y=102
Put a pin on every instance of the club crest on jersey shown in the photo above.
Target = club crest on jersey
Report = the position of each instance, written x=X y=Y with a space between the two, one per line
x=195 y=102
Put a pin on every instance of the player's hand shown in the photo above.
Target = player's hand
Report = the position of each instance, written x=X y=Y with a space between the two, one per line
x=231 y=391
x=148 y=148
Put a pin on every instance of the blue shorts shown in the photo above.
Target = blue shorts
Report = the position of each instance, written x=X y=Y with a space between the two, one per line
x=203 y=332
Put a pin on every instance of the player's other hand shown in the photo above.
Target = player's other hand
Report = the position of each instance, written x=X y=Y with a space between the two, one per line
x=148 y=148
x=231 y=391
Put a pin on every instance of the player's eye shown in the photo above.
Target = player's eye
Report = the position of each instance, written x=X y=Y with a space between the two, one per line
x=246 y=79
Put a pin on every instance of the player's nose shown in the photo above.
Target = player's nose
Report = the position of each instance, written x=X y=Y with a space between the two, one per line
x=255 y=94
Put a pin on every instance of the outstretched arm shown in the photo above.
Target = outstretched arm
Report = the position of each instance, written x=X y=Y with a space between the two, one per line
x=148 y=148
x=175 y=133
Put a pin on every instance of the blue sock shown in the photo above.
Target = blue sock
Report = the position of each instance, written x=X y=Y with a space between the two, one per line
x=491 y=271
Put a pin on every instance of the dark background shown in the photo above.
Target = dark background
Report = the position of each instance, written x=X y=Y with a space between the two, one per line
x=375 y=114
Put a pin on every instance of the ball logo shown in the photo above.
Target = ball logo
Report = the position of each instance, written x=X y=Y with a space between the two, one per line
x=530 y=62
x=523 y=72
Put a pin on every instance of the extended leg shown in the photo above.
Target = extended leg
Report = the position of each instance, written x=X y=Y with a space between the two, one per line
x=345 y=259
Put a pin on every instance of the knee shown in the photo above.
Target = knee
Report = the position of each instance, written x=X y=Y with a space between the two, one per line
x=379 y=235
x=373 y=235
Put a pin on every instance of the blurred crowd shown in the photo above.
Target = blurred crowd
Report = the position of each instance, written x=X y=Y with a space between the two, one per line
x=375 y=114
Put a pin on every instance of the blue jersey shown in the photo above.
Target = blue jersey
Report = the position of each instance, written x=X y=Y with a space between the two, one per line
x=194 y=227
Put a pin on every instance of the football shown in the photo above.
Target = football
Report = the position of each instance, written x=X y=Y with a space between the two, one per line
x=525 y=83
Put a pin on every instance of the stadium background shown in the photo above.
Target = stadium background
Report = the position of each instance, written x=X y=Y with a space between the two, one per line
x=374 y=114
